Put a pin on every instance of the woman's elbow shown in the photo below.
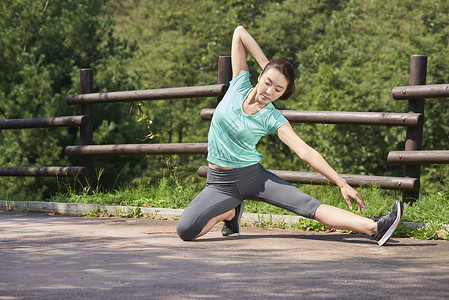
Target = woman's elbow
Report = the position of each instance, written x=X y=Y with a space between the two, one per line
x=240 y=27
x=239 y=30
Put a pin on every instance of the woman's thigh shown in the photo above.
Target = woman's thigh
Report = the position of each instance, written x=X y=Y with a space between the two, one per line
x=272 y=189
x=211 y=202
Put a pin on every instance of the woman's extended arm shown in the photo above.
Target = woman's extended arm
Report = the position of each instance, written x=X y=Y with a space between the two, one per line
x=316 y=161
x=242 y=41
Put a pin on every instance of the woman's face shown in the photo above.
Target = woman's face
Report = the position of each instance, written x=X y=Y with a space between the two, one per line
x=271 y=85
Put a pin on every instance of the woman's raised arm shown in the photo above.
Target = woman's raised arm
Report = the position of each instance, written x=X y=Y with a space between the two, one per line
x=242 y=41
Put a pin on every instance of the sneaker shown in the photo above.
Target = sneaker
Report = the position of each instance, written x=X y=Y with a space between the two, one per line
x=387 y=224
x=232 y=227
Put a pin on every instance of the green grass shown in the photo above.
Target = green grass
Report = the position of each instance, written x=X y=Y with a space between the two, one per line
x=162 y=195
x=431 y=209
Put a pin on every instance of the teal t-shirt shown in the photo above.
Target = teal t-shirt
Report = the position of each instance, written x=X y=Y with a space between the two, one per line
x=233 y=135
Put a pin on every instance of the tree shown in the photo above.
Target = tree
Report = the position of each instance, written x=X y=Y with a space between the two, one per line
x=43 y=47
x=349 y=54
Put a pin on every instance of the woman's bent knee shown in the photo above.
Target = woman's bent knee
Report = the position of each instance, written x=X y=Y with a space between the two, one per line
x=186 y=233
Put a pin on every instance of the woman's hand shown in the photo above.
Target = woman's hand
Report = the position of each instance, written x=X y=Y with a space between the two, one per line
x=349 y=193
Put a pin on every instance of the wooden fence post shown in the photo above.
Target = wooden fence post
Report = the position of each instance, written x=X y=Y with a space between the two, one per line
x=224 y=71
x=413 y=140
x=86 y=131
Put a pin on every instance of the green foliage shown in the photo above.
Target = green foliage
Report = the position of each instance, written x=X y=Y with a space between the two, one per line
x=132 y=213
x=44 y=44
x=311 y=225
x=162 y=194
x=348 y=54
x=94 y=213
x=424 y=210
x=427 y=231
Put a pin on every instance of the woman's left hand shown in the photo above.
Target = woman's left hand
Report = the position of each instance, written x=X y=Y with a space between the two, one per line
x=350 y=193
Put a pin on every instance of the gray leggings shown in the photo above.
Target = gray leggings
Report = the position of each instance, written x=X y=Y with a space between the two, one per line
x=226 y=189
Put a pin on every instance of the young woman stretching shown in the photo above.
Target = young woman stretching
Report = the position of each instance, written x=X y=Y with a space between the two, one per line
x=242 y=118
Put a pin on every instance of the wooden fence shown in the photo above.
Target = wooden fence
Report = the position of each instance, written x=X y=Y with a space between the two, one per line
x=413 y=120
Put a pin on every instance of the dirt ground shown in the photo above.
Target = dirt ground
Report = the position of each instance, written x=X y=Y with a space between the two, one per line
x=60 y=257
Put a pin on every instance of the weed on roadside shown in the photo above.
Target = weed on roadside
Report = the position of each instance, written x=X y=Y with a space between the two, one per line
x=311 y=225
x=94 y=213
x=132 y=213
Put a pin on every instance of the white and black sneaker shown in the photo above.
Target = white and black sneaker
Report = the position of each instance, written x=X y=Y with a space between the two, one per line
x=232 y=227
x=387 y=224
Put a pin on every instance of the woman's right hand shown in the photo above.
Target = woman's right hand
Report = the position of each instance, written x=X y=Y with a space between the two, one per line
x=349 y=193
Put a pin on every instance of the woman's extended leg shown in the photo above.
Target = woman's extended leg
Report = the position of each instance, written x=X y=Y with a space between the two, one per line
x=344 y=220
x=269 y=188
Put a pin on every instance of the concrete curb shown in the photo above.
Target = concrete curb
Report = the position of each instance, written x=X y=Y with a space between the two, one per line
x=82 y=209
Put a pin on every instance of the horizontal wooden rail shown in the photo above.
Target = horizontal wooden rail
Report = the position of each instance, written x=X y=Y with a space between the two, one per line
x=413 y=92
x=43 y=171
x=384 y=182
x=343 y=117
x=130 y=149
x=156 y=94
x=419 y=157
x=70 y=121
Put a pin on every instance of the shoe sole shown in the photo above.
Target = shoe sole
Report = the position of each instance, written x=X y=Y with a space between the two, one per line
x=393 y=227
x=240 y=217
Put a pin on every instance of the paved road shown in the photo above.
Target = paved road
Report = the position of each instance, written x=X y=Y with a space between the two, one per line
x=57 y=257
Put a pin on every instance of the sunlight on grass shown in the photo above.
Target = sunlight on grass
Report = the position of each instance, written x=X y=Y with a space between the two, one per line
x=431 y=209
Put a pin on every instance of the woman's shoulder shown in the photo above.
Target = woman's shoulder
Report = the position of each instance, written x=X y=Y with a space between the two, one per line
x=270 y=112
x=241 y=82
x=241 y=78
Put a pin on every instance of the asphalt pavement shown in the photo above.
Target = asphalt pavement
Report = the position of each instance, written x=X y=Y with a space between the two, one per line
x=47 y=256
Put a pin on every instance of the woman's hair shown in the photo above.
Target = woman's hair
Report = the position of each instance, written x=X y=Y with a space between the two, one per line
x=288 y=71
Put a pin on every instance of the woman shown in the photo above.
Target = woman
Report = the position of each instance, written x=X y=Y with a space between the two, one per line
x=245 y=115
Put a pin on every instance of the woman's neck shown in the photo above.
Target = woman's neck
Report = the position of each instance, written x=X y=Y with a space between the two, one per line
x=251 y=106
